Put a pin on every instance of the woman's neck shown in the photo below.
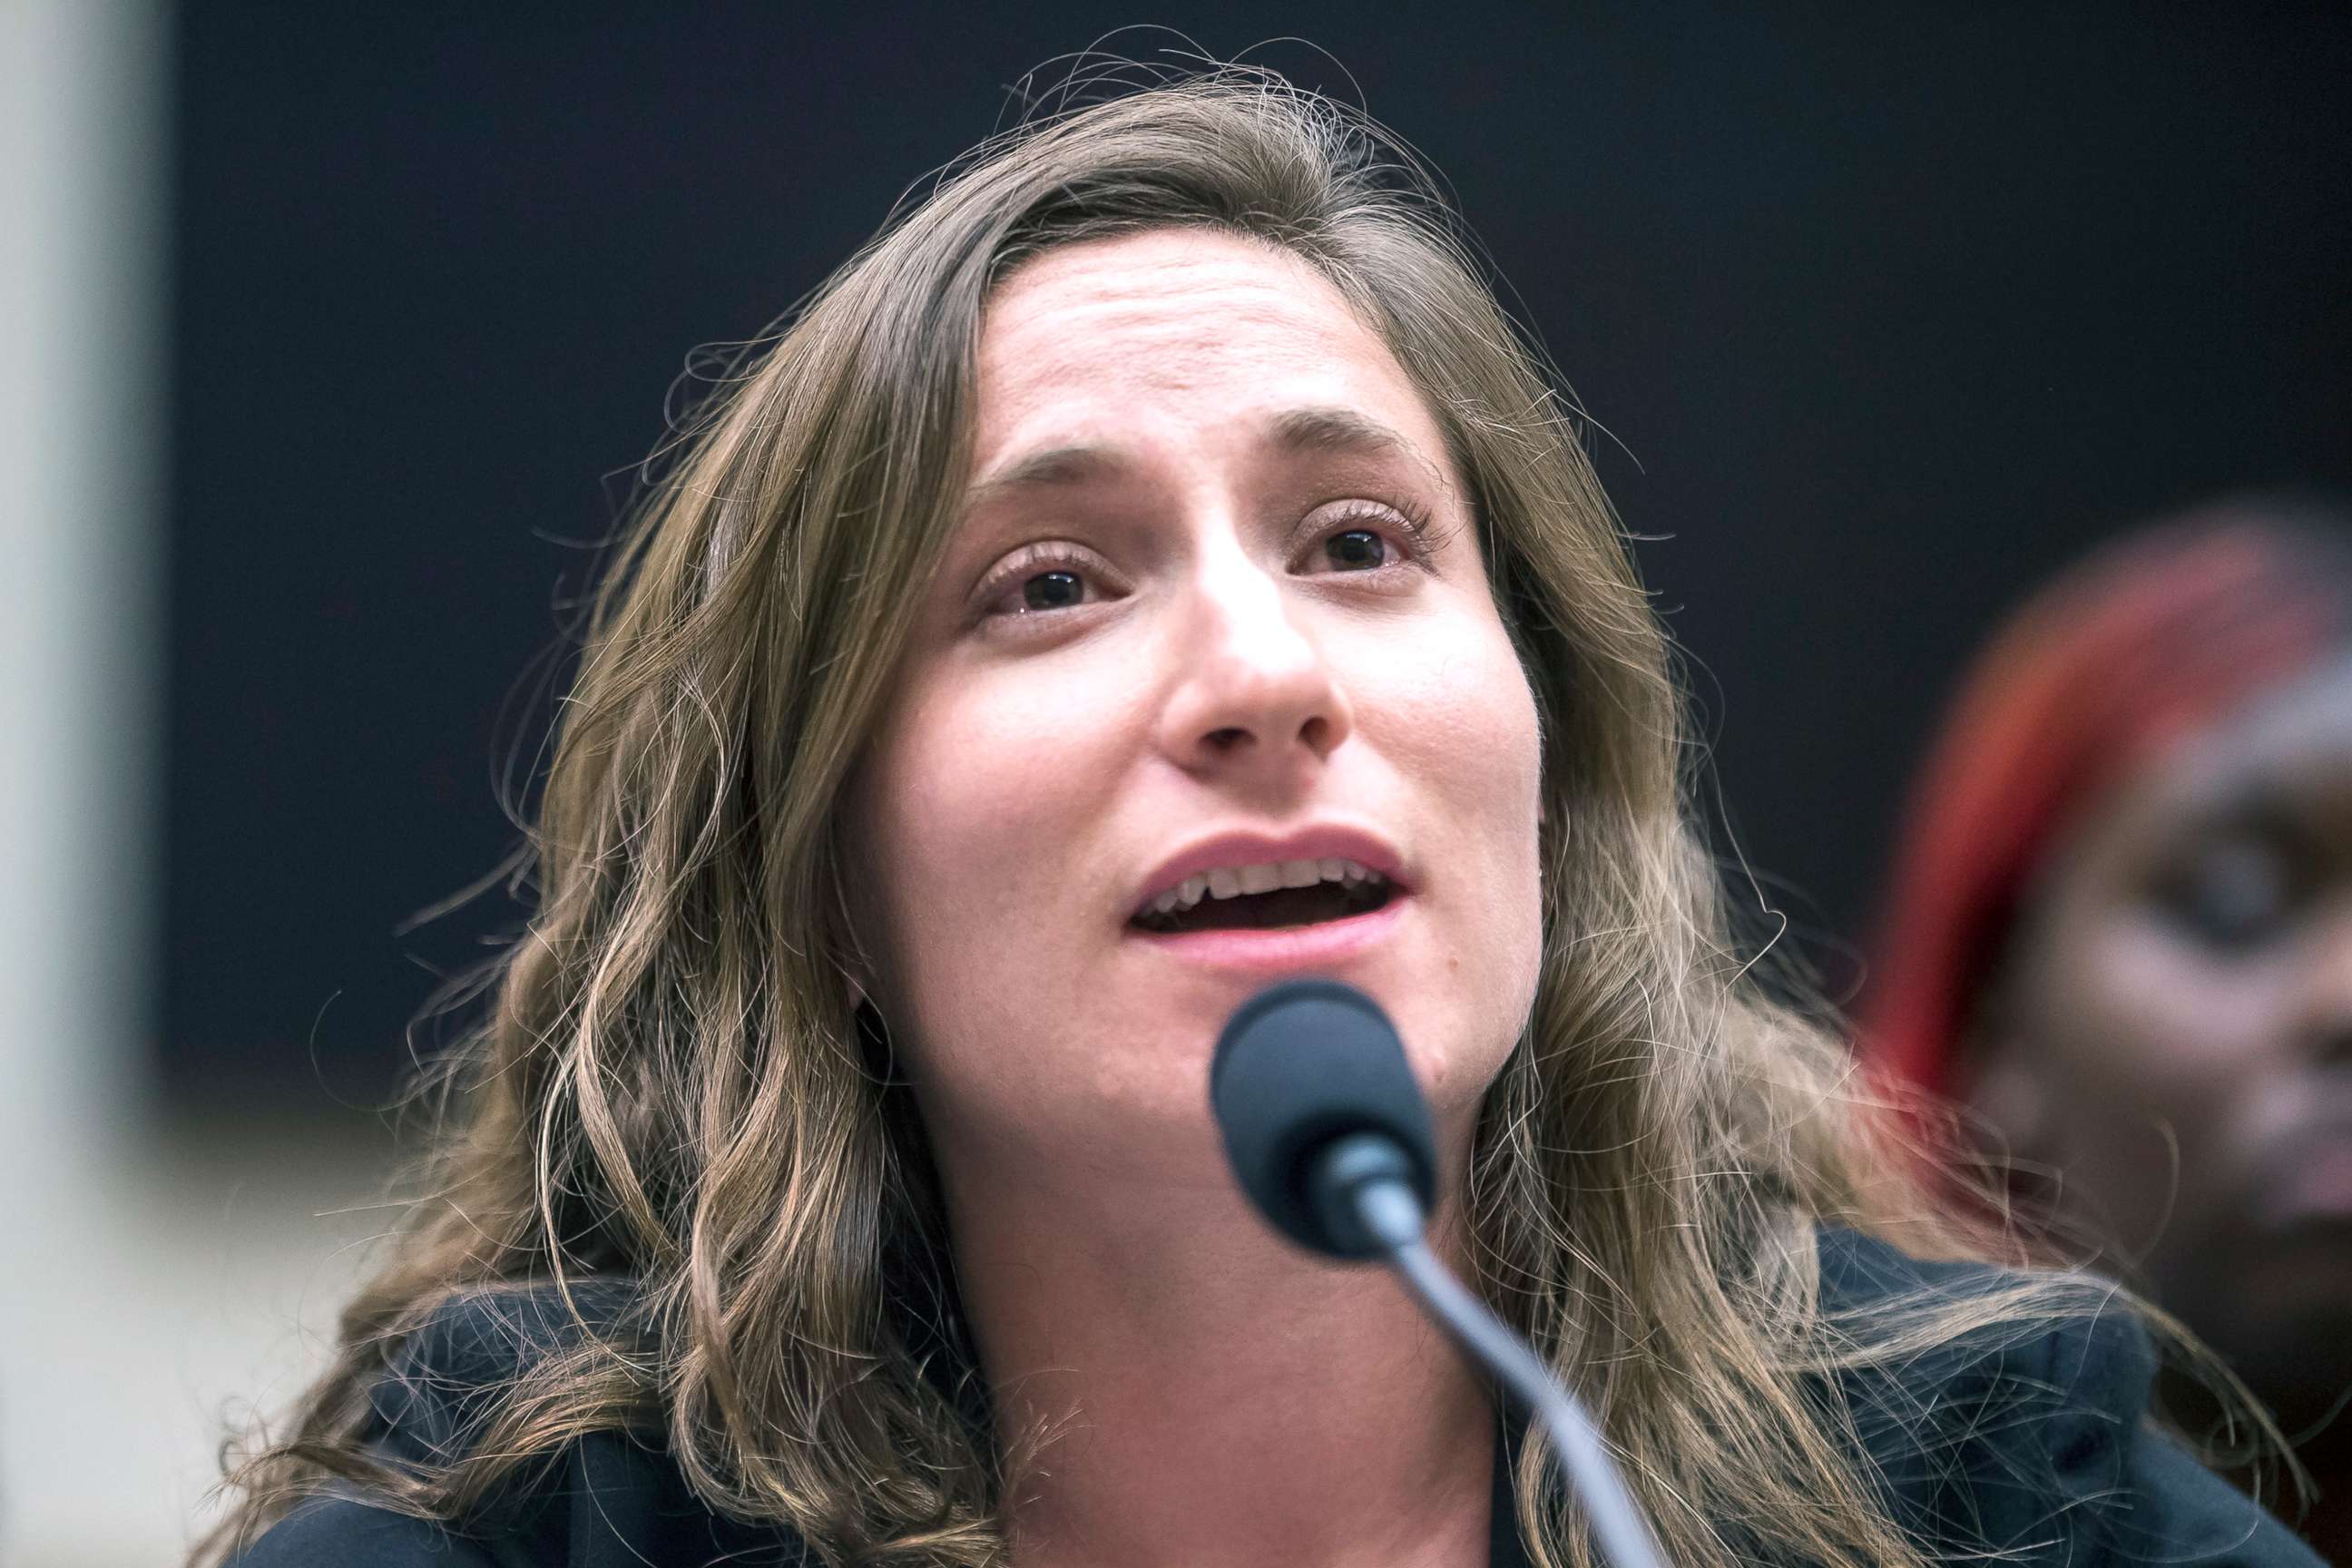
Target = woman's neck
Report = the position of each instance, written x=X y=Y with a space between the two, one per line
x=1213 y=1396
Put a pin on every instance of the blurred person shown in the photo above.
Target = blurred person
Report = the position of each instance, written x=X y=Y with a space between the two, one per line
x=1152 y=566
x=2119 y=932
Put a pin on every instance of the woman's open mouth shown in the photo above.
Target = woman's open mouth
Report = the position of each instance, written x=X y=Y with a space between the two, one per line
x=1276 y=909
x=1283 y=931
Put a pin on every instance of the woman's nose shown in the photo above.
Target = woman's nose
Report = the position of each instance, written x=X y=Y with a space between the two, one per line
x=1253 y=697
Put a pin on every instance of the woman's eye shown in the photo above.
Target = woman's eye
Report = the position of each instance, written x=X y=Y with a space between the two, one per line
x=1047 y=579
x=1363 y=536
x=2231 y=897
x=1040 y=581
x=1356 y=550
x=1058 y=589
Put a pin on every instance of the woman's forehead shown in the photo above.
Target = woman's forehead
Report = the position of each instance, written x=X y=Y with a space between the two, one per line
x=1179 y=331
x=2283 y=759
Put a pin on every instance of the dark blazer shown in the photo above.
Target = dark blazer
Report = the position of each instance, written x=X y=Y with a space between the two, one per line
x=2037 y=1448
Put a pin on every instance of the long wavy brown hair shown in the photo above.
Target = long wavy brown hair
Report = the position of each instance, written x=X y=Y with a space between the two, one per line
x=676 y=1082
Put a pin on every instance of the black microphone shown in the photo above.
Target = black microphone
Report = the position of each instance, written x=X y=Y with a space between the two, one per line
x=1330 y=1137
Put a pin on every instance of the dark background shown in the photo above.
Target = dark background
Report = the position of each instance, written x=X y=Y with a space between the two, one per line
x=1881 y=315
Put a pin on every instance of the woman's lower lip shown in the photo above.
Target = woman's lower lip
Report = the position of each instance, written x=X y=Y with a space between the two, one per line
x=1279 y=949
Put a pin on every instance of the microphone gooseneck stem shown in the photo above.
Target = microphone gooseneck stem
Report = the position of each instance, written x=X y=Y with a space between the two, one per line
x=1387 y=1209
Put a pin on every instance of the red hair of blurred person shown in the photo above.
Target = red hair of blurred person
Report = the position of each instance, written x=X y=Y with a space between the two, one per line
x=2147 y=641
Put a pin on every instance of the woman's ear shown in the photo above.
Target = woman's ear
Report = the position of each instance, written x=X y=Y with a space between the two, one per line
x=2011 y=1104
x=2001 y=1080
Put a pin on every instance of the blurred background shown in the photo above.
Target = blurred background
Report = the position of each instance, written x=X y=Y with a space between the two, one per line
x=334 y=333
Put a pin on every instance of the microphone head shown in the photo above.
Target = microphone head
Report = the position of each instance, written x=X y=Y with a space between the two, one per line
x=1301 y=1065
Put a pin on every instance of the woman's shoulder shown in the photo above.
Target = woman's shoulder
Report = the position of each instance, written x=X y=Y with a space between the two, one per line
x=604 y=1503
x=2027 y=1433
x=344 y=1532
x=610 y=1499
x=2027 y=1436
x=1952 y=1335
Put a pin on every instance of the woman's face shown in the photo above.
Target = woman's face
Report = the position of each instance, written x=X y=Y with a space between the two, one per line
x=1215 y=605
x=2176 y=1032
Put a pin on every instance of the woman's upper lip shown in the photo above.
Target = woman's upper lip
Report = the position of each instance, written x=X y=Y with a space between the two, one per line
x=1320 y=841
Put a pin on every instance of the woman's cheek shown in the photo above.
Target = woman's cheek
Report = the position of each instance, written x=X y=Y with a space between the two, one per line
x=2174 y=1031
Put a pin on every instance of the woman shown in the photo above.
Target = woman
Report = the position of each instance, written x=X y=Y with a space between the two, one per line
x=2121 y=931
x=1163 y=507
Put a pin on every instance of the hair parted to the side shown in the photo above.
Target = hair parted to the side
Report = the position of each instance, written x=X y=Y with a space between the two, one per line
x=676 y=1083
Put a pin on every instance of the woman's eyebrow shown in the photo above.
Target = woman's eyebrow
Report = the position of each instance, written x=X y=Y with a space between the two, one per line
x=2303 y=826
x=1348 y=432
x=1295 y=431
x=1335 y=430
x=1054 y=468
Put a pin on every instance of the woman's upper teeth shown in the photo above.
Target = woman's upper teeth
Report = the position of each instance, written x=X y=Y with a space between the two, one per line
x=1232 y=881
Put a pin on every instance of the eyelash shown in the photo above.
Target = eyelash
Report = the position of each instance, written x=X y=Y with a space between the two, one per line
x=1417 y=539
